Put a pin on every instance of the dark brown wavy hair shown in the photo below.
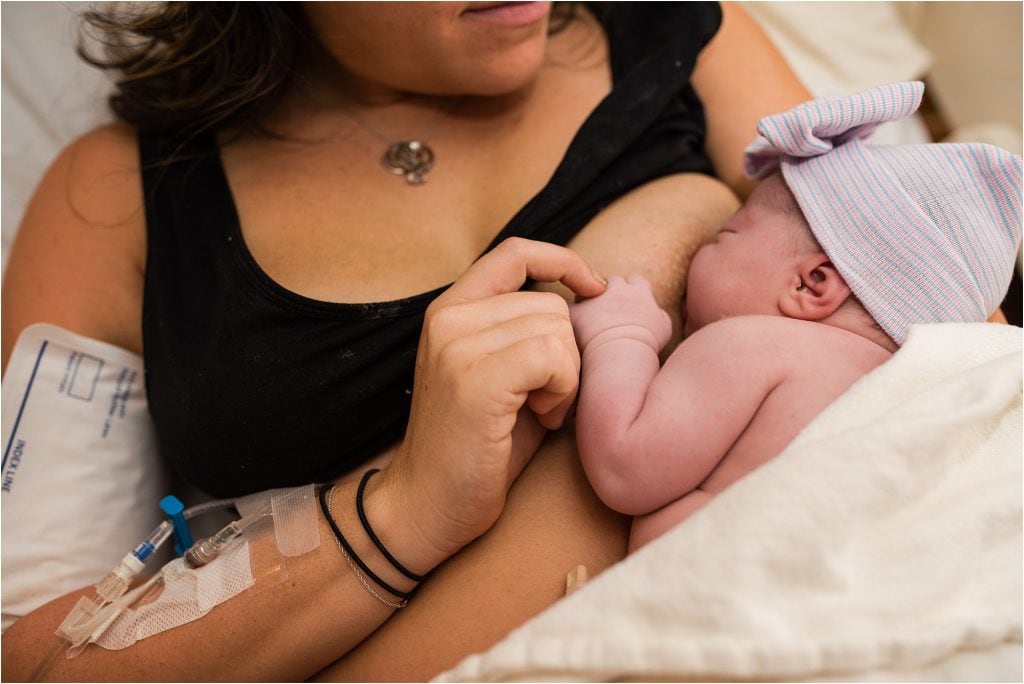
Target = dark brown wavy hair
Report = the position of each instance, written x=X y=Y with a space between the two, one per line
x=188 y=67
x=183 y=68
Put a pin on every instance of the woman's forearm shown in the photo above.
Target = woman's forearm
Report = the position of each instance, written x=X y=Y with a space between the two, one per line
x=484 y=350
x=285 y=630
x=551 y=523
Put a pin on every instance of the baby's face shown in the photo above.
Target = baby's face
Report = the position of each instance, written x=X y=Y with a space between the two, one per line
x=750 y=263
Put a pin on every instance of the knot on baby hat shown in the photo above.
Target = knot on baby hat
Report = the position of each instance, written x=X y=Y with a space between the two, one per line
x=819 y=126
x=921 y=233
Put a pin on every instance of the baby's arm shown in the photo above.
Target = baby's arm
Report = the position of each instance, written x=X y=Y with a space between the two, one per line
x=619 y=334
x=647 y=437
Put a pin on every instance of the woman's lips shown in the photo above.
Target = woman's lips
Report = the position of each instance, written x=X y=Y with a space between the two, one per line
x=510 y=14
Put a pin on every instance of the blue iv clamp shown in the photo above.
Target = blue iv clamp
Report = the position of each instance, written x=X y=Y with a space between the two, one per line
x=173 y=508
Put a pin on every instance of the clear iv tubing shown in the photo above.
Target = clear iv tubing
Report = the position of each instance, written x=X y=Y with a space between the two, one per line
x=116 y=582
x=204 y=551
x=164 y=530
x=199 y=509
x=91 y=616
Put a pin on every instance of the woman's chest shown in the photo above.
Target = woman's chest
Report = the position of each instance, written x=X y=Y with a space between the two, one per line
x=326 y=219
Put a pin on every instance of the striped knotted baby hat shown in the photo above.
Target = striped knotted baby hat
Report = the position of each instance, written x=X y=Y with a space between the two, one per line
x=921 y=233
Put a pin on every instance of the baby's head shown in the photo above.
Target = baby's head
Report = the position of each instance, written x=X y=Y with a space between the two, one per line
x=766 y=260
x=918 y=233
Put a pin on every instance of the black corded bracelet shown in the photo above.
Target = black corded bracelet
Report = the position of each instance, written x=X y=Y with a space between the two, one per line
x=373 y=537
x=340 y=538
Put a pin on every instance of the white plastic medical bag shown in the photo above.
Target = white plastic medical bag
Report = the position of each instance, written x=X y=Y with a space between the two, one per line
x=81 y=478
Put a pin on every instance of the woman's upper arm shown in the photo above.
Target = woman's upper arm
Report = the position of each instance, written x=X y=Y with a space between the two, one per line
x=740 y=77
x=77 y=260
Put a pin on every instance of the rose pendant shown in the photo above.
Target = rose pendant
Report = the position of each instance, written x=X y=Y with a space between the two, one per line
x=412 y=159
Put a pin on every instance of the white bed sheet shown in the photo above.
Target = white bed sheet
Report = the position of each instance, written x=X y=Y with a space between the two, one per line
x=883 y=544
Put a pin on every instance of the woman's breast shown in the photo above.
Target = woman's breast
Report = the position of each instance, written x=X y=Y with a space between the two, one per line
x=654 y=231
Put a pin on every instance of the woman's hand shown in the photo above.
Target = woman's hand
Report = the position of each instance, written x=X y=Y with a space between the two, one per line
x=492 y=363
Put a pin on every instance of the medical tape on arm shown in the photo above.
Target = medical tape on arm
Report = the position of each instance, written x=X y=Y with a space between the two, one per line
x=190 y=593
x=296 y=526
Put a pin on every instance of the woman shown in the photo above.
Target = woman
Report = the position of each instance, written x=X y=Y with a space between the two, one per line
x=279 y=288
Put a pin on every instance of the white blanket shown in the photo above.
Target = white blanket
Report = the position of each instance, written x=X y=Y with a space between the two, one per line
x=883 y=544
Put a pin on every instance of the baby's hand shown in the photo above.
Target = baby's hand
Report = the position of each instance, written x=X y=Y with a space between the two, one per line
x=628 y=307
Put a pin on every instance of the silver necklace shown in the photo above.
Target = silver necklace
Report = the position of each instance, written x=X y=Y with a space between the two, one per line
x=410 y=158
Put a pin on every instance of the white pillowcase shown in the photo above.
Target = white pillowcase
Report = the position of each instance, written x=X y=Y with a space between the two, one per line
x=49 y=95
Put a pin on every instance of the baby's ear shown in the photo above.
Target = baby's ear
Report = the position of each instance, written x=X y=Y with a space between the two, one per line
x=815 y=290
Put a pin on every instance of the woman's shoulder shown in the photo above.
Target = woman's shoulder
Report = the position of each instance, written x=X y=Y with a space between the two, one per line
x=110 y=146
x=93 y=181
x=100 y=171
x=111 y=139
x=79 y=254
x=92 y=191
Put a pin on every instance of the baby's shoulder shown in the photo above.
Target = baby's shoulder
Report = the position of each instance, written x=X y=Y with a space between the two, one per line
x=763 y=328
x=789 y=342
x=758 y=330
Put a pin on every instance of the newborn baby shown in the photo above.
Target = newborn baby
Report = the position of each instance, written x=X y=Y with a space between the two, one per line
x=809 y=286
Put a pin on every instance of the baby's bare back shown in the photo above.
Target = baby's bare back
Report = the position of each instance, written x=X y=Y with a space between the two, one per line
x=797 y=367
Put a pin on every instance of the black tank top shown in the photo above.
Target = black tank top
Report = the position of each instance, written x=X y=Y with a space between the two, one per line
x=252 y=386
